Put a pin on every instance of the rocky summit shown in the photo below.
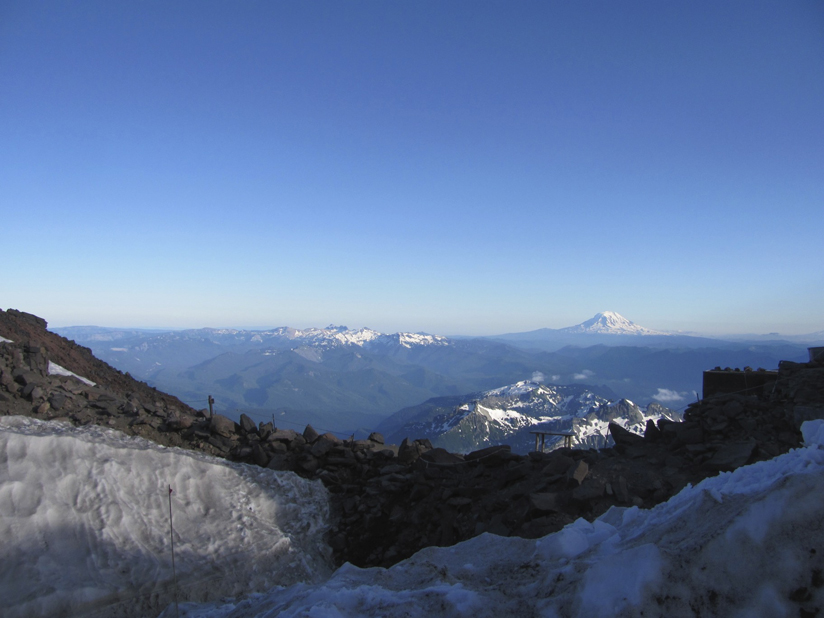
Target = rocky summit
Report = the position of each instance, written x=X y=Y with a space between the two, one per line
x=392 y=500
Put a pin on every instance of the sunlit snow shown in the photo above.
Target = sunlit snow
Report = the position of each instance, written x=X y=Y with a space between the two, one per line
x=740 y=544
x=4 y=340
x=57 y=370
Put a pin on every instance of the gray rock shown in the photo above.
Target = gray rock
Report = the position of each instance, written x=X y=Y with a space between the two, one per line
x=548 y=502
x=590 y=489
x=259 y=456
x=310 y=434
x=558 y=465
x=623 y=437
x=806 y=413
x=441 y=456
x=489 y=451
x=222 y=425
x=179 y=422
x=247 y=424
x=578 y=473
x=265 y=430
x=408 y=451
x=280 y=462
x=308 y=463
x=376 y=437
x=732 y=455
x=283 y=435
x=324 y=444
x=651 y=432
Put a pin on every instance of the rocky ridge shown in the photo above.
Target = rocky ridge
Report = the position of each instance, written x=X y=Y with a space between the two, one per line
x=394 y=500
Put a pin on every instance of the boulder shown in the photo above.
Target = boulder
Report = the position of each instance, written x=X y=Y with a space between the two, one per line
x=441 y=456
x=651 y=432
x=178 y=422
x=689 y=433
x=376 y=437
x=265 y=430
x=548 y=502
x=324 y=444
x=280 y=462
x=308 y=463
x=247 y=424
x=623 y=437
x=310 y=435
x=408 y=451
x=282 y=435
x=558 y=465
x=578 y=473
x=732 y=455
x=222 y=425
x=259 y=456
x=488 y=452
x=590 y=489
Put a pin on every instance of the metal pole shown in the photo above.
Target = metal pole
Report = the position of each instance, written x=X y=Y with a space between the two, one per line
x=211 y=401
x=172 y=539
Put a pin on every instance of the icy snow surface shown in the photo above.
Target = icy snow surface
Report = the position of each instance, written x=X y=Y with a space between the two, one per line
x=84 y=524
x=740 y=544
x=4 y=340
x=57 y=370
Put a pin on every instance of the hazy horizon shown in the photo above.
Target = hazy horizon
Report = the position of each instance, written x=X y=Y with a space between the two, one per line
x=461 y=168
x=115 y=325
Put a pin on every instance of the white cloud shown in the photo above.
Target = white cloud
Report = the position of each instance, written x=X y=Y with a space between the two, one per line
x=554 y=378
x=586 y=373
x=537 y=376
x=665 y=394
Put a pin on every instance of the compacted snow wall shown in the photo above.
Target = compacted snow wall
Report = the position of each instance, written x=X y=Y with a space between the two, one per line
x=84 y=524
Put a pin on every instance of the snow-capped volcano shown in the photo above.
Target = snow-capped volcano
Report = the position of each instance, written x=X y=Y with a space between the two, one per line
x=610 y=323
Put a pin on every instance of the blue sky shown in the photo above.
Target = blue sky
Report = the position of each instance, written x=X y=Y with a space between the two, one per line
x=452 y=167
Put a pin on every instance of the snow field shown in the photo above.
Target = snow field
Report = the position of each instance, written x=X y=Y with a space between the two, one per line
x=84 y=523
x=55 y=369
x=746 y=543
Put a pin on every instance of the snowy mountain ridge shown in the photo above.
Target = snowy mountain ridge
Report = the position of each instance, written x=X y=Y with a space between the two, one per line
x=329 y=337
x=508 y=414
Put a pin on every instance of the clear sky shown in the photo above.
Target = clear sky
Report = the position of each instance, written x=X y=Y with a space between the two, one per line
x=453 y=167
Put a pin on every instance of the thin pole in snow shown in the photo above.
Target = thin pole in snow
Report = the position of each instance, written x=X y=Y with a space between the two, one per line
x=172 y=538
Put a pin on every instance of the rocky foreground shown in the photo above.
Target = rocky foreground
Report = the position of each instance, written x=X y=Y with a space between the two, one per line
x=392 y=500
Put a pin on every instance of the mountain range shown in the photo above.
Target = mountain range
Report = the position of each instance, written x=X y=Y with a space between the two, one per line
x=344 y=379
x=509 y=415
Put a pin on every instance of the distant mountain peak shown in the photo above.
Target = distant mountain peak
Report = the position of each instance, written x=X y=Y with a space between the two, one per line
x=610 y=323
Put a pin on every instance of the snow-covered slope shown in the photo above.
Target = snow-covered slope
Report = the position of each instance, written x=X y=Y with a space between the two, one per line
x=609 y=323
x=729 y=546
x=84 y=523
x=508 y=415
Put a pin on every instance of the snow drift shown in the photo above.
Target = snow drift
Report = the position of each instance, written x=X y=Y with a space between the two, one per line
x=747 y=543
x=84 y=523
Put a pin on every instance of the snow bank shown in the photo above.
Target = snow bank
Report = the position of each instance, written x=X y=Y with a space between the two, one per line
x=4 y=340
x=84 y=523
x=746 y=543
x=57 y=370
